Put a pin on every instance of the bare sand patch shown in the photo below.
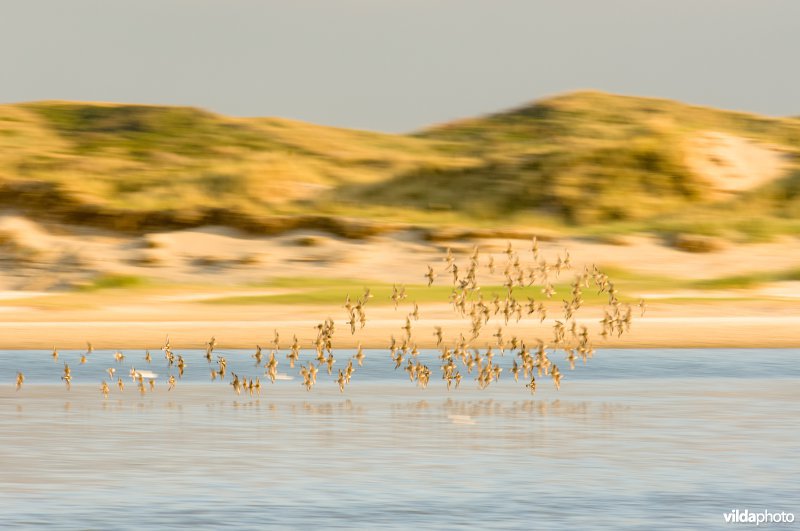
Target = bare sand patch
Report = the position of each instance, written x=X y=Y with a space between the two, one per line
x=732 y=164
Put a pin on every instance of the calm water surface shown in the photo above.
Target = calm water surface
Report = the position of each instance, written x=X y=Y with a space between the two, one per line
x=647 y=439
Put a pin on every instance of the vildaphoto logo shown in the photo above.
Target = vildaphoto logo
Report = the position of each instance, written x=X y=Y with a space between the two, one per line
x=737 y=516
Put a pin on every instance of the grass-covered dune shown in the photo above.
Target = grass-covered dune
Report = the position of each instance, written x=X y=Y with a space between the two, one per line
x=585 y=162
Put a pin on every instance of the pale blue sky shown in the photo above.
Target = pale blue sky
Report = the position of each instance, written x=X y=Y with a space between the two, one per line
x=398 y=65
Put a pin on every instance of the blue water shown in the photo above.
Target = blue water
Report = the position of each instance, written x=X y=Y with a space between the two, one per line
x=636 y=439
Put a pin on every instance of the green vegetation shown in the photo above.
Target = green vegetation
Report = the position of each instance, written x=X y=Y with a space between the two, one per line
x=333 y=291
x=104 y=282
x=749 y=280
x=302 y=290
x=586 y=163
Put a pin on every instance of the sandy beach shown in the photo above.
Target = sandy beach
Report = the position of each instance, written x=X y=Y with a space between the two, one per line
x=182 y=281
x=691 y=326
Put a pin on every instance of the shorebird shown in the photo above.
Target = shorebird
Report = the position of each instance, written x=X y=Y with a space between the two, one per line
x=359 y=356
x=120 y=384
x=304 y=372
x=111 y=371
x=642 y=307
x=398 y=294
x=210 y=348
x=449 y=259
x=104 y=389
x=532 y=385
x=294 y=355
x=55 y=354
x=571 y=358
x=438 y=334
x=367 y=295
x=430 y=275
x=407 y=327
x=398 y=359
x=20 y=380
x=362 y=315
x=415 y=313
x=171 y=382
x=272 y=366
x=556 y=375
x=167 y=351
x=147 y=357
x=276 y=341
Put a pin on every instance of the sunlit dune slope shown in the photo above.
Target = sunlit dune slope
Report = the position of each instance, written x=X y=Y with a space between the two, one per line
x=572 y=161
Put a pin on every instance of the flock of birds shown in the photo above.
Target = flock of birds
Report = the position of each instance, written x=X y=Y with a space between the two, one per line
x=462 y=355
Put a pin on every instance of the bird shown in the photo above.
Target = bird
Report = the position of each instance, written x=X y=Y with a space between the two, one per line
x=359 y=355
x=55 y=354
x=20 y=380
x=556 y=376
x=210 y=348
x=276 y=341
x=430 y=275
x=532 y=385
x=415 y=313
x=104 y=389
x=407 y=327
x=67 y=376
x=294 y=355
x=438 y=334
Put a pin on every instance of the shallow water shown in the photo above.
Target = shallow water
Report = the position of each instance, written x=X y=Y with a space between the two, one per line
x=636 y=439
